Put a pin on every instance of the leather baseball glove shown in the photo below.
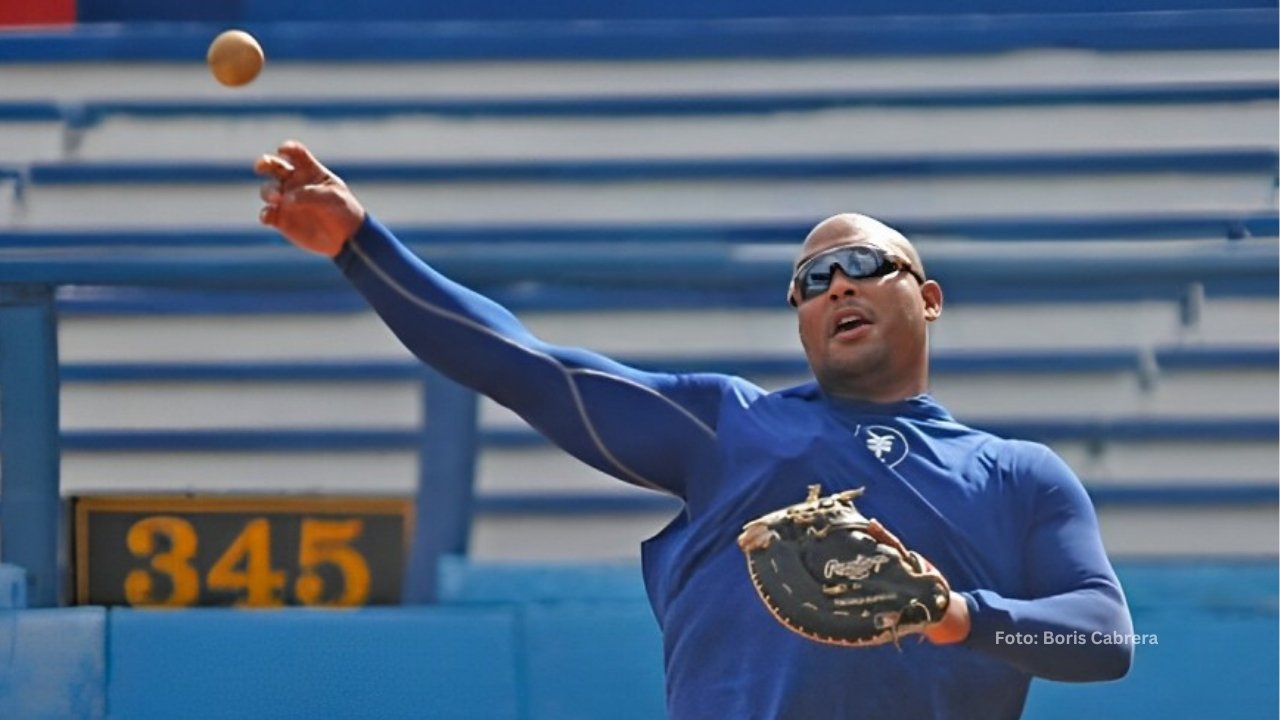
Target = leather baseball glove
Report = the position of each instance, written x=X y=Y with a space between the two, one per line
x=834 y=576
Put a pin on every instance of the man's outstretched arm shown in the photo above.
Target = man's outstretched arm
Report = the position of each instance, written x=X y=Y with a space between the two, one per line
x=645 y=428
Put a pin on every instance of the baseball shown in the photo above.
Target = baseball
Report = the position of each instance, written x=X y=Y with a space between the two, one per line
x=235 y=58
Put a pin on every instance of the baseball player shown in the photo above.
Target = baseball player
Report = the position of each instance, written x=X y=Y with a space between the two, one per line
x=1006 y=523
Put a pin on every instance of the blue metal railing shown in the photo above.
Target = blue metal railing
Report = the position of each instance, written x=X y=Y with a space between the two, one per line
x=1261 y=161
x=29 y=443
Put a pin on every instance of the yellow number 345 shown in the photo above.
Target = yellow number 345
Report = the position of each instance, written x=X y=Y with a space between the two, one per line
x=321 y=542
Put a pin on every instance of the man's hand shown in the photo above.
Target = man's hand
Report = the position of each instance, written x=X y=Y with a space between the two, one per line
x=954 y=625
x=306 y=202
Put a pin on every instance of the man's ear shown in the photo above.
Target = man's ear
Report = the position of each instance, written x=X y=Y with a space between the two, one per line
x=931 y=291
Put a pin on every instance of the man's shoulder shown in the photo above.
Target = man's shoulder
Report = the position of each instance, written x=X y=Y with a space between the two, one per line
x=1031 y=462
x=804 y=392
x=1013 y=455
x=751 y=394
x=1010 y=451
x=995 y=444
x=744 y=398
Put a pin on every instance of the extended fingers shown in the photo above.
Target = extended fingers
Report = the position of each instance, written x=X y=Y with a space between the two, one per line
x=271 y=193
x=297 y=155
x=275 y=166
x=269 y=215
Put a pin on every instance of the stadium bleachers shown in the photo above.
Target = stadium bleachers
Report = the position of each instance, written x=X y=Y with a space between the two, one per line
x=1096 y=189
x=1106 y=253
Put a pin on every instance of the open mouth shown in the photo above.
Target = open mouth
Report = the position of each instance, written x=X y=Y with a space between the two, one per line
x=849 y=324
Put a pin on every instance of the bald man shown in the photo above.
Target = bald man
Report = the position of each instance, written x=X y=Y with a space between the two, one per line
x=1006 y=522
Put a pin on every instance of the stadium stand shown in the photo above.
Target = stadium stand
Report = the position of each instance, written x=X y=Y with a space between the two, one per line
x=1096 y=189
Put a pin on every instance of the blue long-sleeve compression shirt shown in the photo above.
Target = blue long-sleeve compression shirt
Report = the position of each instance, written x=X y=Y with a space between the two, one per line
x=1006 y=522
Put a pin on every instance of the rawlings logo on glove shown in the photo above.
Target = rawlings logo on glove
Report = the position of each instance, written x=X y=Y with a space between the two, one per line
x=829 y=573
x=856 y=569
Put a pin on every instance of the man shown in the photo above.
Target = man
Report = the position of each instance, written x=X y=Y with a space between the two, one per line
x=1006 y=522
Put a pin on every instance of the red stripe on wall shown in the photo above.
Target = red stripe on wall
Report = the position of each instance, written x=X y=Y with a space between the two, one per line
x=37 y=12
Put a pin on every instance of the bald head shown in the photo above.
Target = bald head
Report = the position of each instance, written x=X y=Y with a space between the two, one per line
x=852 y=228
x=885 y=358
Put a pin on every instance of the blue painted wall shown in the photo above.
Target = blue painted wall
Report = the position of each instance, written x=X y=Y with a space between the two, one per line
x=558 y=643
x=442 y=663
x=53 y=663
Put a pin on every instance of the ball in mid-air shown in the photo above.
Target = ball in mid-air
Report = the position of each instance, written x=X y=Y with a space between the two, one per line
x=235 y=58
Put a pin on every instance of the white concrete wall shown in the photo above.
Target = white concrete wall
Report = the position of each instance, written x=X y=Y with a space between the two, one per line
x=867 y=132
x=71 y=82
x=351 y=336
x=235 y=205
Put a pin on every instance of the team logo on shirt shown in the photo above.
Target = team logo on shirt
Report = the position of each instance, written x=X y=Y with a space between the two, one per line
x=887 y=444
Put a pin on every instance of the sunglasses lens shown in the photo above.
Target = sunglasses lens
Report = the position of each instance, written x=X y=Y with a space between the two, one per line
x=855 y=262
x=814 y=282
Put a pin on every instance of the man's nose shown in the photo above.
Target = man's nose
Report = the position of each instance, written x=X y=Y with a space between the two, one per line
x=841 y=284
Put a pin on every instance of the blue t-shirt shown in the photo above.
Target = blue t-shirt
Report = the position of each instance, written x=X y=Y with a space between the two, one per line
x=1006 y=521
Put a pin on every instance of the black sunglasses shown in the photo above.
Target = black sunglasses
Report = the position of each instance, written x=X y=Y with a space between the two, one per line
x=814 y=273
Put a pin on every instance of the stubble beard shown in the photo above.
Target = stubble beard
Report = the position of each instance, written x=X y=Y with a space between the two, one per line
x=853 y=373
